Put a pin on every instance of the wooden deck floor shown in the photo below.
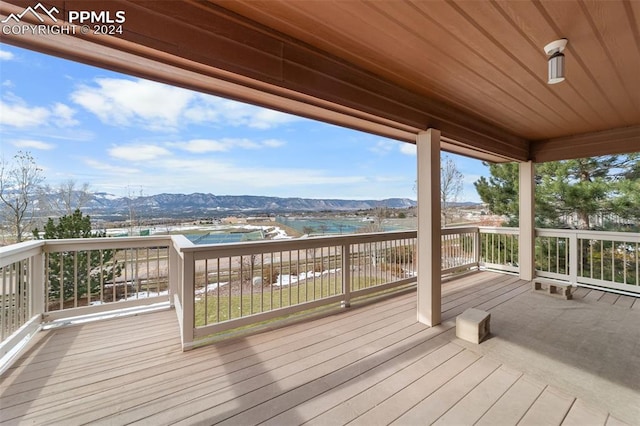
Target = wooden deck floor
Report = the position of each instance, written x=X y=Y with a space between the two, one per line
x=369 y=365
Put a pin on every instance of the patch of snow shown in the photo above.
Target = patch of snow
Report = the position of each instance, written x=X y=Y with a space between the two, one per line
x=286 y=279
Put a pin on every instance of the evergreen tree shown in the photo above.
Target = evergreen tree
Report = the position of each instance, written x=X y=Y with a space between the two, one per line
x=500 y=191
x=566 y=189
x=79 y=273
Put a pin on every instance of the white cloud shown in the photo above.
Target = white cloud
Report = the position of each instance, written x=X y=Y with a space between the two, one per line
x=20 y=115
x=134 y=102
x=224 y=144
x=135 y=153
x=202 y=145
x=17 y=113
x=382 y=147
x=160 y=107
x=408 y=148
x=63 y=115
x=6 y=55
x=32 y=144
x=111 y=169
x=273 y=143
x=212 y=109
x=260 y=118
x=174 y=174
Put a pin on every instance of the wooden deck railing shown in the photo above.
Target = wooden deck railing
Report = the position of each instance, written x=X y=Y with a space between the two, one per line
x=44 y=281
x=219 y=287
x=22 y=297
x=603 y=259
x=234 y=285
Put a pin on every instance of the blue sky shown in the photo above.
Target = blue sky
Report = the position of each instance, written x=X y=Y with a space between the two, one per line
x=124 y=135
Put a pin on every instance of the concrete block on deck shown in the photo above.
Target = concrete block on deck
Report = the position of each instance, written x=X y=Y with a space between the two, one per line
x=553 y=288
x=473 y=325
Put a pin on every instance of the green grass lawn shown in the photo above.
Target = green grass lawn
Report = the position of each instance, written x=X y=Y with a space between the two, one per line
x=265 y=299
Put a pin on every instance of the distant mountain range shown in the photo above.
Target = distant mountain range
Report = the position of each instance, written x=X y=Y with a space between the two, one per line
x=207 y=205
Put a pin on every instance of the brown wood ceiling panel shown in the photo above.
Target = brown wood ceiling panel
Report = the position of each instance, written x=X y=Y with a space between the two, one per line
x=577 y=91
x=586 y=48
x=474 y=69
x=617 y=39
x=499 y=71
x=416 y=65
x=204 y=37
x=484 y=57
x=296 y=24
x=524 y=62
x=427 y=70
x=461 y=69
x=617 y=141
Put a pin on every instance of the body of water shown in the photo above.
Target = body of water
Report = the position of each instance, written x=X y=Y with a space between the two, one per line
x=223 y=237
x=321 y=226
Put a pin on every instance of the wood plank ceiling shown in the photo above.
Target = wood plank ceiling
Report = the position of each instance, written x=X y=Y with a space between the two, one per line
x=474 y=69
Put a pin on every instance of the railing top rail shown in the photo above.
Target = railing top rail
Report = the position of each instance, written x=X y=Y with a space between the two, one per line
x=72 y=244
x=458 y=230
x=498 y=230
x=180 y=242
x=20 y=251
x=235 y=249
x=588 y=234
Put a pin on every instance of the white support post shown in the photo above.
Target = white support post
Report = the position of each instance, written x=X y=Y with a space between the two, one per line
x=429 y=232
x=526 y=236
x=188 y=303
x=574 y=255
x=36 y=285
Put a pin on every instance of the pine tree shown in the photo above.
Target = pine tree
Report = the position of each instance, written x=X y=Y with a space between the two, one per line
x=566 y=189
x=83 y=273
x=500 y=191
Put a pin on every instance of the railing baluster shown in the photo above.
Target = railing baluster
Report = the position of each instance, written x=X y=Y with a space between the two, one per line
x=206 y=291
x=624 y=264
x=5 y=306
x=218 y=289
x=88 y=277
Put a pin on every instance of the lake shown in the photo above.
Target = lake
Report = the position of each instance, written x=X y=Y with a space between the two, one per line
x=330 y=225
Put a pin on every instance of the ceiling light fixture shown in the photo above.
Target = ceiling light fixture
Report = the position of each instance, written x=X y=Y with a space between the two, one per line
x=556 y=60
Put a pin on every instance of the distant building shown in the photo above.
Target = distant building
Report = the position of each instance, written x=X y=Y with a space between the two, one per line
x=232 y=220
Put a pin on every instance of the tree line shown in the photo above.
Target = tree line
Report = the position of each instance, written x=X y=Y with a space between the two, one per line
x=24 y=197
x=571 y=193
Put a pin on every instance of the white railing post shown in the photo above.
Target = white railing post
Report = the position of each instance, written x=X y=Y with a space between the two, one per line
x=36 y=285
x=573 y=258
x=476 y=247
x=346 y=274
x=188 y=300
x=174 y=273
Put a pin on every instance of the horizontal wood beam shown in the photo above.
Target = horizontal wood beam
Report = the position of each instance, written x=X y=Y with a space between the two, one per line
x=615 y=141
x=210 y=41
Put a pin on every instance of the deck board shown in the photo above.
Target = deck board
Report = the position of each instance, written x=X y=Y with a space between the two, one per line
x=513 y=404
x=372 y=364
x=582 y=414
x=477 y=402
x=550 y=408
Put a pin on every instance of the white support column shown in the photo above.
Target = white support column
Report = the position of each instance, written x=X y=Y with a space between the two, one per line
x=429 y=244
x=526 y=236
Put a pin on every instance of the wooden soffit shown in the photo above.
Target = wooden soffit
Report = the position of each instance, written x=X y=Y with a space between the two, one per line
x=474 y=70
